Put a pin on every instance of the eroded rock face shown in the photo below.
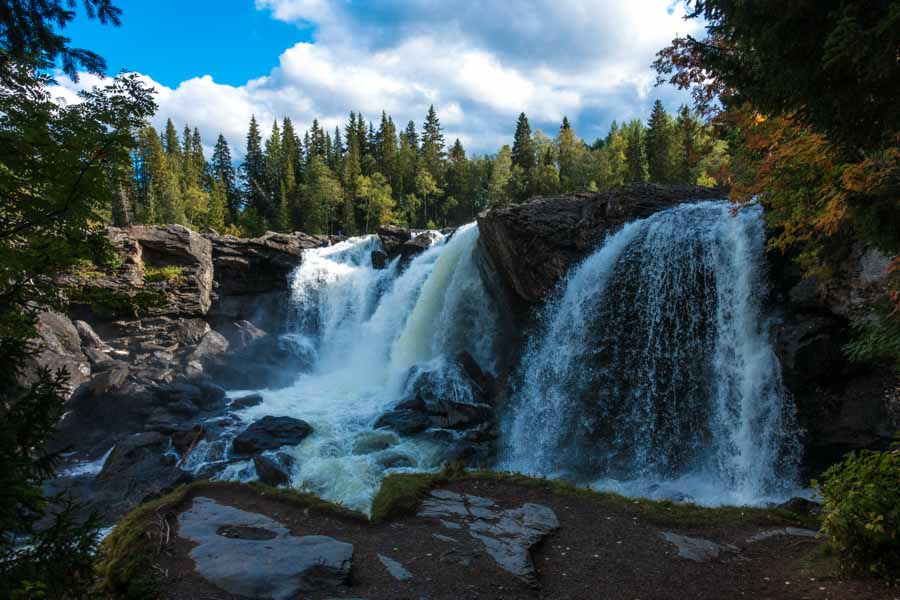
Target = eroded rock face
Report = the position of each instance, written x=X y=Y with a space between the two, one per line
x=252 y=555
x=532 y=245
x=841 y=405
x=60 y=349
x=251 y=276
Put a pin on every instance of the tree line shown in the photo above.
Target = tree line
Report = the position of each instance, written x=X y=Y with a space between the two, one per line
x=356 y=178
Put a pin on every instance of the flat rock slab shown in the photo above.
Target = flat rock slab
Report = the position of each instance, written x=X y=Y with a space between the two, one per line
x=507 y=534
x=252 y=555
x=696 y=549
x=784 y=531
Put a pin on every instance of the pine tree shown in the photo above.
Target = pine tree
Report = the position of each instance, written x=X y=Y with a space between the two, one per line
x=458 y=196
x=197 y=155
x=570 y=149
x=659 y=142
x=687 y=130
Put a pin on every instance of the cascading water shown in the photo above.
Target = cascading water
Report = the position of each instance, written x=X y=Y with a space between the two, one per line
x=651 y=373
x=365 y=331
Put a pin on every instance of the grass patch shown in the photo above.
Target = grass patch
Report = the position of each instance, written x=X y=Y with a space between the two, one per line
x=125 y=564
x=163 y=274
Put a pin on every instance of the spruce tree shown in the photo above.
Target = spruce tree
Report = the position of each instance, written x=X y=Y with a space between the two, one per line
x=433 y=152
x=659 y=142
x=171 y=142
x=635 y=167
x=523 y=156
x=253 y=171
x=223 y=171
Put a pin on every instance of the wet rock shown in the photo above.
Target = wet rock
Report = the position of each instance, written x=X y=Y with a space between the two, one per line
x=270 y=472
x=260 y=558
x=696 y=549
x=395 y=460
x=246 y=401
x=418 y=244
x=379 y=259
x=533 y=245
x=507 y=534
x=397 y=570
x=245 y=333
x=271 y=433
x=137 y=469
x=374 y=441
x=392 y=237
x=404 y=422
x=801 y=506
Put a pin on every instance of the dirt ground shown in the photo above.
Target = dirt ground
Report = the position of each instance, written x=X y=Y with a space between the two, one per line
x=602 y=550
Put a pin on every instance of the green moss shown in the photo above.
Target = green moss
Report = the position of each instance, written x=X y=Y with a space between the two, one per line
x=84 y=268
x=166 y=273
x=401 y=493
x=125 y=564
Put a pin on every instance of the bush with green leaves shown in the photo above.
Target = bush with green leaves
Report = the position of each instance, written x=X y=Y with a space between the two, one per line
x=862 y=510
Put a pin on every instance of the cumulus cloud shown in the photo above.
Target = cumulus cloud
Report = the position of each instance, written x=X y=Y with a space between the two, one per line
x=480 y=63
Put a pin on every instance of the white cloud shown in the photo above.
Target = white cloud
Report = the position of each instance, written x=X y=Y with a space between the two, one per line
x=480 y=63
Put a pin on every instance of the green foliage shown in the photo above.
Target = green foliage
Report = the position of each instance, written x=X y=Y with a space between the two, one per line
x=862 y=510
x=400 y=494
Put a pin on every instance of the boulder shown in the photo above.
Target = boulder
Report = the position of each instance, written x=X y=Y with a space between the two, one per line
x=532 y=245
x=210 y=348
x=404 y=422
x=379 y=259
x=392 y=237
x=245 y=333
x=89 y=337
x=272 y=472
x=59 y=348
x=137 y=469
x=418 y=244
x=249 y=554
x=246 y=401
x=271 y=433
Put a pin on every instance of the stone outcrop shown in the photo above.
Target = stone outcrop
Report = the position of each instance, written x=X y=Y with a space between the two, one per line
x=271 y=433
x=251 y=276
x=405 y=243
x=533 y=245
x=841 y=405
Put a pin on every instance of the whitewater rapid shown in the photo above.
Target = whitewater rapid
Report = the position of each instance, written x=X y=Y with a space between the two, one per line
x=364 y=330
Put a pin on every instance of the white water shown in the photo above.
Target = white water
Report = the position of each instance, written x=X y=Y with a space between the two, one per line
x=651 y=373
x=366 y=328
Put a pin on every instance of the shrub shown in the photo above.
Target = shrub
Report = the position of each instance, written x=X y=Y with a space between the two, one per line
x=862 y=510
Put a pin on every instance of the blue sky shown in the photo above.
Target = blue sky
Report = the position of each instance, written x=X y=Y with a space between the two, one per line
x=480 y=62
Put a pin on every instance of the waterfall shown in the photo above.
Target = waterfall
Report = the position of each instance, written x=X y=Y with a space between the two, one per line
x=650 y=372
x=368 y=330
